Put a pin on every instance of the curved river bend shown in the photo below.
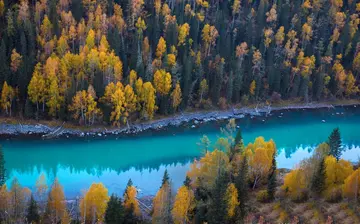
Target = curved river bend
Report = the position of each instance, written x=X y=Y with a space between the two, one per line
x=78 y=163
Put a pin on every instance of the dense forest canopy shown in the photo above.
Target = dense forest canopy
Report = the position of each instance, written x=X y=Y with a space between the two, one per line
x=117 y=61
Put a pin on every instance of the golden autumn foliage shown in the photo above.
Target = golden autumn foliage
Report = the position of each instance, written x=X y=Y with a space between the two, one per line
x=231 y=198
x=336 y=171
x=132 y=77
x=207 y=167
x=94 y=203
x=171 y=60
x=7 y=97
x=161 y=205
x=117 y=101
x=130 y=102
x=16 y=60
x=295 y=184
x=209 y=35
x=84 y=107
x=183 y=204
x=268 y=34
x=305 y=65
x=176 y=96
x=340 y=74
x=2 y=8
x=236 y=7
x=306 y=32
x=161 y=48
x=41 y=187
x=260 y=154
x=252 y=87
x=140 y=24
x=54 y=100
x=56 y=201
x=351 y=187
x=350 y=87
x=162 y=82
x=280 y=36
x=183 y=33
x=130 y=200
x=146 y=98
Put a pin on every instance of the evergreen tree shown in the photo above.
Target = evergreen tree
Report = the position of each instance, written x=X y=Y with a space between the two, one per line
x=318 y=179
x=129 y=215
x=33 y=212
x=2 y=167
x=271 y=185
x=114 y=213
x=187 y=181
x=334 y=142
x=217 y=207
x=238 y=137
x=241 y=183
x=165 y=178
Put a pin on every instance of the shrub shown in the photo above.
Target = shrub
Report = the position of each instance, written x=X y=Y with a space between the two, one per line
x=300 y=197
x=244 y=99
x=206 y=104
x=262 y=196
x=333 y=194
x=222 y=103
x=275 y=97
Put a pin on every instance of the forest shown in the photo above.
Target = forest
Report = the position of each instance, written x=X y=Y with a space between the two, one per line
x=115 y=62
x=233 y=183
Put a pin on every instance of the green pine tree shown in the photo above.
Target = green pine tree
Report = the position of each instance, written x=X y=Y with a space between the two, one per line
x=334 y=142
x=271 y=185
x=238 y=137
x=217 y=207
x=114 y=213
x=318 y=179
x=242 y=185
x=187 y=181
x=165 y=178
x=33 y=211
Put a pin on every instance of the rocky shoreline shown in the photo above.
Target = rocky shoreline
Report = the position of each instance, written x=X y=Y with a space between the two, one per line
x=191 y=119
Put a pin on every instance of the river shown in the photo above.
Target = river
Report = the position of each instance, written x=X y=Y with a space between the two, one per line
x=79 y=162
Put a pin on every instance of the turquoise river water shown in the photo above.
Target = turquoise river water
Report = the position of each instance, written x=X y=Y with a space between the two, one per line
x=79 y=162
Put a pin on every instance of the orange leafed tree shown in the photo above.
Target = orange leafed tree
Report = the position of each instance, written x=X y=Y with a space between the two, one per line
x=161 y=48
x=162 y=204
x=162 y=81
x=84 y=107
x=94 y=203
x=36 y=88
x=231 y=198
x=176 y=96
x=260 y=154
x=183 y=204
x=351 y=187
x=7 y=97
x=130 y=200
x=295 y=184
x=56 y=202
x=207 y=167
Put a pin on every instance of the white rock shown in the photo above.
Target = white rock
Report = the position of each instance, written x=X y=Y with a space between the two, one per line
x=193 y=126
x=99 y=134
x=323 y=121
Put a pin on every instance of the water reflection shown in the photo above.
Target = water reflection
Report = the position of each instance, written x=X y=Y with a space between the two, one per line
x=78 y=163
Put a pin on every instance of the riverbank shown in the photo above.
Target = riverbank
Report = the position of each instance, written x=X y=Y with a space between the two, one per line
x=34 y=129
